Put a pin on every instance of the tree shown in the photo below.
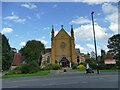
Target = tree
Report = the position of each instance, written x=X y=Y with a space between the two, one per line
x=33 y=50
x=103 y=53
x=114 y=46
x=7 y=54
x=14 y=50
x=91 y=62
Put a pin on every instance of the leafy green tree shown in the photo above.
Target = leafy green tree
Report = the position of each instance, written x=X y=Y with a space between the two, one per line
x=103 y=53
x=114 y=46
x=30 y=67
x=7 y=54
x=33 y=50
x=91 y=62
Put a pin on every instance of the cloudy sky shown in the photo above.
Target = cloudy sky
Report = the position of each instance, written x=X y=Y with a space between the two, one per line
x=23 y=21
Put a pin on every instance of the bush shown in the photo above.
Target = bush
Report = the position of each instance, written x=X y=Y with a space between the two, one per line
x=30 y=67
x=24 y=69
x=13 y=72
x=56 y=67
x=102 y=67
x=74 y=66
x=81 y=67
x=93 y=65
x=91 y=62
x=53 y=67
x=105 y=66
x=33 y=67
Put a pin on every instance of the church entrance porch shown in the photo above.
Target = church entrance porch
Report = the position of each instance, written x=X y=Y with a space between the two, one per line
x=64 y=62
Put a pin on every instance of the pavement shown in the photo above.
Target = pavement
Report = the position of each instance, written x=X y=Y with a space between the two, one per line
x=65 y=80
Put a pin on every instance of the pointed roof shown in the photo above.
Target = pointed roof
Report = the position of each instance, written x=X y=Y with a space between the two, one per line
x=62 y=31
x=72 y=29
x=52 y=29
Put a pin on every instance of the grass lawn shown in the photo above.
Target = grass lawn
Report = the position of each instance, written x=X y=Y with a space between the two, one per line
x=108 y=70
x=39 y=73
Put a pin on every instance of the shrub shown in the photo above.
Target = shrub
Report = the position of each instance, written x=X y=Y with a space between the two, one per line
x=74 y=66
x=81 y=67
x=24 y=68
x=56 y=62
x=91 y=62
x=53 y=67
x=13 y=72
x=105 y=66
x=56 y=67
x=33 y=67
x=93 y=65
x=30 y=67
x=49 y=66
x=102 y=67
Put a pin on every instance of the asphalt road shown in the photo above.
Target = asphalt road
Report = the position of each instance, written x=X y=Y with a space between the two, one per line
x=64 y=80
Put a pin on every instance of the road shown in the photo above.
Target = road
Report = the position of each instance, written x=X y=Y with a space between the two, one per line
x=65 y=80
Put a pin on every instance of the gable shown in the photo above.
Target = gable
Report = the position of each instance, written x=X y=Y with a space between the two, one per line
x=62 y=43
x=62 y=34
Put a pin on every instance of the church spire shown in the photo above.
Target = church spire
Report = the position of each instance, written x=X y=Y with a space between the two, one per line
x=52 y=31
x=72 y=32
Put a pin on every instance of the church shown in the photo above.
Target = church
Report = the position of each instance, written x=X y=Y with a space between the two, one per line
x=62 y=49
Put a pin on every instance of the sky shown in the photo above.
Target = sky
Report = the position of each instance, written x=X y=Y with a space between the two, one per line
x=23 y=21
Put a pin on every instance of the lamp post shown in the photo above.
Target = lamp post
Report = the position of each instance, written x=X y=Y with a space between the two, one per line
x=95 y=43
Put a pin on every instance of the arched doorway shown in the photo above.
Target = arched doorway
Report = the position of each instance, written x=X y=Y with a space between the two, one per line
x=64 y=62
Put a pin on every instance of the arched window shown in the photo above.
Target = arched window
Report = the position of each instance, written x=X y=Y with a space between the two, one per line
x=48 y=59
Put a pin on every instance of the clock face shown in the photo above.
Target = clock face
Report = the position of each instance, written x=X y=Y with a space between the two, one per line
x=62 y=45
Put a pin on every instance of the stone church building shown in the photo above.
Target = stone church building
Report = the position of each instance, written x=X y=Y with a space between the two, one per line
x=62 y=49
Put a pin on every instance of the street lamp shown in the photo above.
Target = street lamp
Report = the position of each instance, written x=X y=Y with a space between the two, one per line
x=95 y=43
